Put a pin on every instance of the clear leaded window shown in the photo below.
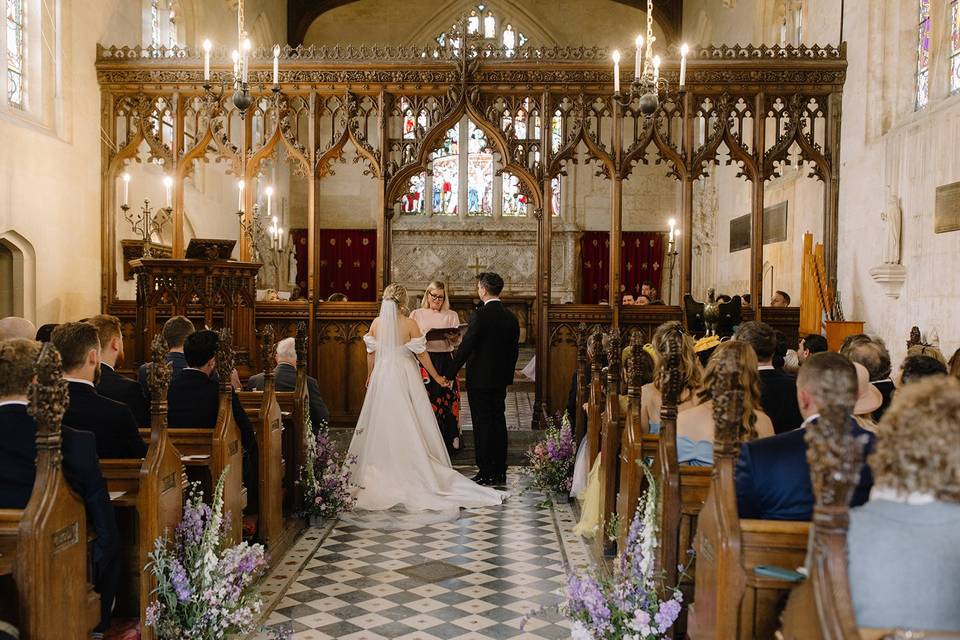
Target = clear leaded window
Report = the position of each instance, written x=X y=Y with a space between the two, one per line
x=484 y=28
x=955 y=46
x=155 y=23
x=923 y=56
x=15 y=58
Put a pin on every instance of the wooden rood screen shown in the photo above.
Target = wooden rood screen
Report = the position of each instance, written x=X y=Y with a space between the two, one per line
x=759 y=103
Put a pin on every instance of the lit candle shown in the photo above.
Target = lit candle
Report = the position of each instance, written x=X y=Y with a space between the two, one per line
x=240 y=186
x=269 y=191
x=684 y=50
x=638 y=65
x=280 y=237
x=126 y=188
x=236 y=63
x=276 y=64
x=168 y=186
x=616 y=72
x=656 y=70
x=245 y=59
x=673 y=228
x=206 y=60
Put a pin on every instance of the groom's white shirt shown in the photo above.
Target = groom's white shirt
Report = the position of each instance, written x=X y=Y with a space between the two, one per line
x=491 y=300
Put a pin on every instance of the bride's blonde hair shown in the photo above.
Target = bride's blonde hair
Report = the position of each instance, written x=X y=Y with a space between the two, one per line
x=397 y=293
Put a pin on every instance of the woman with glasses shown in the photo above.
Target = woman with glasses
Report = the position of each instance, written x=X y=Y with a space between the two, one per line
x=435 y=313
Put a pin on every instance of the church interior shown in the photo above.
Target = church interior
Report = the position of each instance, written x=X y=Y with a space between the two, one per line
x=206 y=204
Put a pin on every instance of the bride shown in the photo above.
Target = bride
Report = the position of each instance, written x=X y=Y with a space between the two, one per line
x=401 y=461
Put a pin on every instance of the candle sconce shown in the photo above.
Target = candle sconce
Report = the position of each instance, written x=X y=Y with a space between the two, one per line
x=253 y=229
x=671 y=256
x=146 y=223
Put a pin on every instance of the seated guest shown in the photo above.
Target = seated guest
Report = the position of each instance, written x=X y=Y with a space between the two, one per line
x=954 y=364
x=112 y=385
x=809 y=345
x=745 y=300
x=902 y=544
x=915 y=368
x=851 y=340
x=927 y=350
x=869 y=400
x=285 y=379
x=781 y=350
x=772 y=475
x=81 y=468
x=695 y=426
x=15 y=327
x=778 y=390
x=641 y=301
x=338 y=297
x=110 y=421
x=193 y=399
x=650 y=393
x=873 y=355
x=45 y=331
x=780 y=299
x=627 y=300
x=175 y=331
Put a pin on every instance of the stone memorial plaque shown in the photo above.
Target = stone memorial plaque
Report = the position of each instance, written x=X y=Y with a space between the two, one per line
x=946 y=213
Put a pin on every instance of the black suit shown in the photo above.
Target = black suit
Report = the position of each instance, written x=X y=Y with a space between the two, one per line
x=490 y=349
x=773 y=477
x=778 y=397
x=285 y=379
x=193 y=400
x=886 y=389
x=114 y=386
x=110 y=421
x=178 y=363
x=81 y=468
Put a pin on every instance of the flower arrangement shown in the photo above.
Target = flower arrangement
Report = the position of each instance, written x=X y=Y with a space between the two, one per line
x=326 y=476
x=204 y=588
x=627 y=603
x=552 y=459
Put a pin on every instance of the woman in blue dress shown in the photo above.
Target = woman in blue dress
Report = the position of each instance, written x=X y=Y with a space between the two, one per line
x=650 y=397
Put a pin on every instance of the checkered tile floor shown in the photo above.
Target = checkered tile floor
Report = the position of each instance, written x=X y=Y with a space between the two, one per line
x=474 y=578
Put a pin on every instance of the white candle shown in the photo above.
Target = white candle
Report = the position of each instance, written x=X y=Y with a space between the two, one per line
x=206 y=60
x=616 y=72
x=280 y=237
x=236 y=63
x=276 y=64
x=684 y=50
x=168 y=186
x=245 y=59
x=126 y=188
x=269 y=191
x=656 y=70
x=673 y=226
x=638 y=64
x=240 y=186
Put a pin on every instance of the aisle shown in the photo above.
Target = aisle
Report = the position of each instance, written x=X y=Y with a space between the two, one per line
x=470 y=579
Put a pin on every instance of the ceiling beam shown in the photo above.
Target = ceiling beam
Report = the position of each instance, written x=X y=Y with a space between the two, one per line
x=668 y=14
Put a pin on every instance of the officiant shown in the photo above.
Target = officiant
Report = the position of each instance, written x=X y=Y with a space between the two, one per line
x=434 y=316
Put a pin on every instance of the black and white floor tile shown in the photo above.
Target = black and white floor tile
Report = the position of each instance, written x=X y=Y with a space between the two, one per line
x=472 y=579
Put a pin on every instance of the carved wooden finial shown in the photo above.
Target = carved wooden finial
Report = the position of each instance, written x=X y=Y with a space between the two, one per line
x=48 y=397
x=582 y=341
x=160 y=371
x=639 y=365
x=225 y=356
x=596 y=348
x=834 y=454
x=674 y=375
x=267 y=349
x=613 y=355
x=915 y=338
x=300 y=343
x=727 y=394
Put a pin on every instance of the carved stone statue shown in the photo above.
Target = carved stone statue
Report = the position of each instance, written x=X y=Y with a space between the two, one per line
x=292 y=269
x=893 y=221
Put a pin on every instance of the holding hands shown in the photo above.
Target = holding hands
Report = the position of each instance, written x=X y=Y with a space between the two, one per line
x=443 y=381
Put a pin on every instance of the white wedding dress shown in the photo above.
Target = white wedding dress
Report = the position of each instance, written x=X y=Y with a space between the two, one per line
x=402 y=466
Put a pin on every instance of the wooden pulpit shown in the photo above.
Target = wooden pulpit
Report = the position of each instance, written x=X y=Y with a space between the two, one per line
x=212 y=290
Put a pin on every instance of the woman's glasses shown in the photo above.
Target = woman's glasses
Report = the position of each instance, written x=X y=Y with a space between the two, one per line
x=436 y=296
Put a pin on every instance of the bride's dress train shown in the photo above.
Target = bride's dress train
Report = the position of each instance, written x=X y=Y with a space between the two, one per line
x=402 y=466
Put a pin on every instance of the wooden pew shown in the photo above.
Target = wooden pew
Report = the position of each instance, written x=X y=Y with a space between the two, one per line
x=611 y=426
x=295 y=409
x=207 y=451
x=632 y=478
x=153 y=487
x=731 y=601
x=264 y=412
x=596 y=401
x=44 y=546
x=583 y=383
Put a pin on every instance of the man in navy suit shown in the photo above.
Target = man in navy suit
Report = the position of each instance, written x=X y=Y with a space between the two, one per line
x=772 y=475
x=175 y=332
x=285 y=379
x=778 y=390
x=81 y=468
x=111 y=384
x=110 y=421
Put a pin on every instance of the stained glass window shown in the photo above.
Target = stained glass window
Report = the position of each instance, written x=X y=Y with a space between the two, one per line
x=413 y=202
x=955 y=46
x=555 y=199
x=16 y=95
x=483 y=27
x=923 y=56
x=489 y=26
x=155 y=22
x=479 y=174
x=446 y=174
x=172 y=30
x=514 y=202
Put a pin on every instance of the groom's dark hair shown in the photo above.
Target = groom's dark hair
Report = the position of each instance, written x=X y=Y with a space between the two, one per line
x=492 y=282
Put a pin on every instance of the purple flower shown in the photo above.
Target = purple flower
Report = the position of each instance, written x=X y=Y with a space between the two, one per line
x=180 y=581
x=667 y=614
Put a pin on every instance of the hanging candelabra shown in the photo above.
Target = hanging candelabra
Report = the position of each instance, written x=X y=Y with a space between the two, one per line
x=647 y=83
x=146 y=222
x=275 y=253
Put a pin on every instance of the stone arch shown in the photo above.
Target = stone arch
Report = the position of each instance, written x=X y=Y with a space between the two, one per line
x=23 y=274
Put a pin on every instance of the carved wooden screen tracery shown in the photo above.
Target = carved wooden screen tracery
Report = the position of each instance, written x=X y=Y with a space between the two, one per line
x=391 y=106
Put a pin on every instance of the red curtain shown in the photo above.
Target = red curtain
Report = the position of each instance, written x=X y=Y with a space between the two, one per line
x=300 y=240
x=641 y=258
x=348 y=263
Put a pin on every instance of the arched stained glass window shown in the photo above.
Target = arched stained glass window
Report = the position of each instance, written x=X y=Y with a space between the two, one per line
x=955 y=46
x=923 y=56
x=484 y=27
x=15 y=53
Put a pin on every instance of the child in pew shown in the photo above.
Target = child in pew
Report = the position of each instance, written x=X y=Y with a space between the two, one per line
x=81 y=467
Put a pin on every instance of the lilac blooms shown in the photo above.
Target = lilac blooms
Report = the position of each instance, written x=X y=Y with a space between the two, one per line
x=552 y=459
x=204 y=588
x=326 y=477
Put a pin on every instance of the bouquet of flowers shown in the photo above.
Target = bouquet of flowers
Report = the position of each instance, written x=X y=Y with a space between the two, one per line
x=204 y=588
x=552 y=459
x=626 y=604
x=326 y=476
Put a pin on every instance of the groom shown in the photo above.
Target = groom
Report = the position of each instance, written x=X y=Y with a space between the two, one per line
x=489 y=348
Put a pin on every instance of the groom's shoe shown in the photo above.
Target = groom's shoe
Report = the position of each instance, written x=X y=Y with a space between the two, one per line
x=481 y=479
x=500 y=480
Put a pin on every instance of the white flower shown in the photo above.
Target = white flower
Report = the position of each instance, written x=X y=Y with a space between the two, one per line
x=579 y=632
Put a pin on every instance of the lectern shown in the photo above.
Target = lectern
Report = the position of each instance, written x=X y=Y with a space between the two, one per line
x=210 y=289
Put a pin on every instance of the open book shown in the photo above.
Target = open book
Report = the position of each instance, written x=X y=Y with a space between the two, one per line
x=446 y=333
